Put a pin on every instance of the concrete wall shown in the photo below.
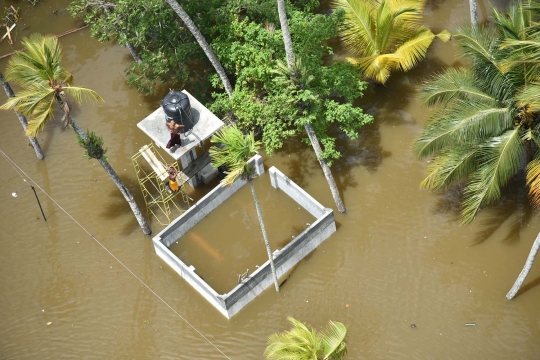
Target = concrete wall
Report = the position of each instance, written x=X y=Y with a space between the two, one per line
x=292 y=253
x=205 y=206
x=284 y=259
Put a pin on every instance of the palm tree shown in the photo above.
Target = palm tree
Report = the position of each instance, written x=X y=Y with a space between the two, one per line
x=385 y=35
x=233 y=150
x=45 y=82
x=303 y=343
x=287 y=39
x=22 y=119
x=203 y=44
x=486 y=125
x=480 y=133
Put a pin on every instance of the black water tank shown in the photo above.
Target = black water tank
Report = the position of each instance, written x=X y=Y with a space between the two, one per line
x=176 y=107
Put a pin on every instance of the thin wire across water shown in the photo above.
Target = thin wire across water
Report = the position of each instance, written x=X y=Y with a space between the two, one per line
x=21 y=172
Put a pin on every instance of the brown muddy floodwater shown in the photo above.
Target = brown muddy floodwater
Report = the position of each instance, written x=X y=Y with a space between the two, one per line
x=228 y=241
x=397 y=258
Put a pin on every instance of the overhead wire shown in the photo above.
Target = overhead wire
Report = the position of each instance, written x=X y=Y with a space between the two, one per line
x=21 y=172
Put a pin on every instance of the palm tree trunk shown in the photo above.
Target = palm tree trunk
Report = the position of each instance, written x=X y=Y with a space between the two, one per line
x=22 y=119
x=528 y=265
x=203 y=44
x=326 y=169
x=133 y=52
x=117 y=181
x=265 y=236
x=287 y=39
x=474 y=12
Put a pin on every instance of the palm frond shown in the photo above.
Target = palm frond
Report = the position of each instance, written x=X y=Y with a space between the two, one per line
x=454 y=84
x=529 y=97
x=500 y=158
x=377 y=67
x=356 y=30
x=396 y=22
x=512 y=24
x=79 y=93
x=462 y=123
x=299 y=343
x=39 y=63
x=452 y=167
x=39 y=119
x=333 y=339
x=533 y=180
x=481 y=45
x=522 y=52
x=233 y=149
x=29 y=99
x=414 y=50
x=478 y=43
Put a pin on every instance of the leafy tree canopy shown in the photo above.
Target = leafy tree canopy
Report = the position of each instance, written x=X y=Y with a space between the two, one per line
x=264 y=97
x=245 y=36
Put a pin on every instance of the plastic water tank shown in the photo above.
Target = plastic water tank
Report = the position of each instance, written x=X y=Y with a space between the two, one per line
x=176 y=107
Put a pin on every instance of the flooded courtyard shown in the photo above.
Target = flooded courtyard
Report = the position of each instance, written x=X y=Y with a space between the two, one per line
x=228 y=241
x=398 y=257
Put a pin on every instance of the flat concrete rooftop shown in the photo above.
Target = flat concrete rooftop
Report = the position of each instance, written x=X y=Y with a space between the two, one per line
x=206 y=124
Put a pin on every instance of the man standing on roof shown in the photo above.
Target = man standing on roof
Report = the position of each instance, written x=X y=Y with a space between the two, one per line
x=174 y=129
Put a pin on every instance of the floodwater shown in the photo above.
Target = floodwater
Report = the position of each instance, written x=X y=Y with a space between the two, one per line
x=228 y=241
x=398 y=257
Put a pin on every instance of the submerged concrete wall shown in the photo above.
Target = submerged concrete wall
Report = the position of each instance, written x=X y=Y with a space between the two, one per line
x=284 y=259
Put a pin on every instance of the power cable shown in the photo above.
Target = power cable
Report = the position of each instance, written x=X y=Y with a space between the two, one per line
x=21 y=172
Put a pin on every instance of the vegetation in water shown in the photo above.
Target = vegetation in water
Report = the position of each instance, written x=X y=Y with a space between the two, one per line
x=246 y=38
x=385 y=36
x=266 y=99
x=485 y=123
x=304 y=343
x=45 y=83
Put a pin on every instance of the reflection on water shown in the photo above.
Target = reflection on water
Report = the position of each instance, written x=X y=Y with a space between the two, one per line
x=396 y=258
x=229 y=240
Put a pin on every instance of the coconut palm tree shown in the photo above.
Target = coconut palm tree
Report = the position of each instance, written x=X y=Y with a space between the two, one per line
x=45 y=82
x=287 y=39
x=22 y=119
x=385 y=35
x=303 y=343
x=485 y=127
x=480 y=132
x=203 y=44
x=233 y=150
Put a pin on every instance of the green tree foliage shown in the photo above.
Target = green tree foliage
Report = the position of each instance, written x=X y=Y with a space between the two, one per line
x=93 y=146
x=485 y=124
x=266 y=100
x=45 y=82
x=167 y=49
x=385 y=35
x=246 y=38
x=303 y=343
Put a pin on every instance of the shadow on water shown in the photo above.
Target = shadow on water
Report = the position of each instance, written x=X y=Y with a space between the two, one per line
x=528 y=286
x=511 y=214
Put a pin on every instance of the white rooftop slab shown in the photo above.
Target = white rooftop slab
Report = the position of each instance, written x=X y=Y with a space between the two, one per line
x=206 y=124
